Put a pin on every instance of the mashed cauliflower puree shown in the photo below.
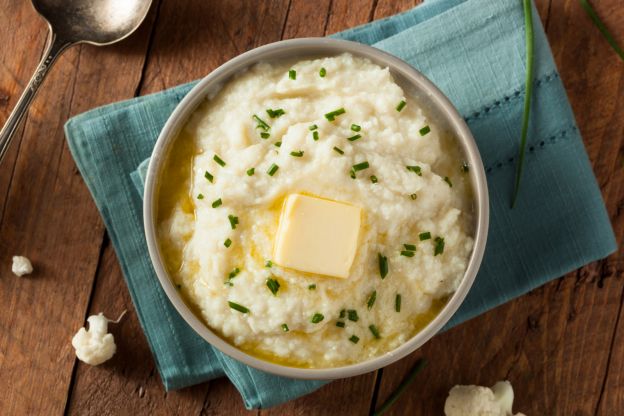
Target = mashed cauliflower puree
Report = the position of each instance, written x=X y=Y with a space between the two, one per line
x=339 y=129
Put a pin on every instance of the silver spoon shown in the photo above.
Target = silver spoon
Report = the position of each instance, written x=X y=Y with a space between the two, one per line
x=98 y=22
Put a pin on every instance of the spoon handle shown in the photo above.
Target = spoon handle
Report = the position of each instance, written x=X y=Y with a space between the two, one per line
x=55 y=46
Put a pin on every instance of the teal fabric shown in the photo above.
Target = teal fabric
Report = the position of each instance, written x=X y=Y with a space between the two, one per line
x=474 y=51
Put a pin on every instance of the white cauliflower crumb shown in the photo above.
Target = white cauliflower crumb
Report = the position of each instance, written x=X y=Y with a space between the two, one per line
x=481 y=401
x=95 y=345
x=21 y=266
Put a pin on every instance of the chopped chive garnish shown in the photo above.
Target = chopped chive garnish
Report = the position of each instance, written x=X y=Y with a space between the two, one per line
x=397 y=303
x=383 y=265
x=464 y=167
x=354 y=138
x=285 y=328
x=315 y=136
x=322 y=72
x=340 y=324
x=374 y=331
x=410 y=247
x=217 y=203
x=275 y=113
x=318 y=317
x=360 y=166
x=355 y=127
x=227 y=243
x=297 y=154
x=273 y=285
x=413 y=197
x=448 y=180
x=200 y=196
x=374 y=179
x=354 y=339
x=343 y=313
x=401 y=105
x=277 y=144
x=208 y=176
x=407 y=253
x=313 y=127
x=233 y=273
x=439 y=246
x=265 y=135
x=352 y=315
x=262 y=125
x=272 y=169
x=352 y=173
x=233 y=221
x=292 y=74
x=331 y=116
x=371 y=300
x=268 y=263
x=424 y=236
x=238 y=307
x=312 y=286
x=217 y=159
x=424 y=130
x=251 y=171
x=338 y=150
x=416 y=169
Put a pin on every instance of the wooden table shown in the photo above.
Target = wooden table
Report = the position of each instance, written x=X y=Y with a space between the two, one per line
x=560 y=345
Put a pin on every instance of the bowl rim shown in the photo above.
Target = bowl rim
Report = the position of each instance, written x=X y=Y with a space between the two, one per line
x=311 y=47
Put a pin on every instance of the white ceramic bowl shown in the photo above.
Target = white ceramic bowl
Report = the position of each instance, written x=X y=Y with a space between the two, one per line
x=439 y=108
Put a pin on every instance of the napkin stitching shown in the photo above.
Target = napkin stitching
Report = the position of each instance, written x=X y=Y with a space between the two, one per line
x=555 y=138
x=506 y=99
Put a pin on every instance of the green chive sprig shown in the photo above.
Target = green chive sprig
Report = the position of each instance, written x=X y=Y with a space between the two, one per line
x=315 y=136
x=420 y=364
x=352 y=315
x=354 y=339
x=355 y=127
x=528 y=87
x=272 y=169
x=397 y=303
x=401 y=106
x=297 y=154
x=217 y=203
x=317 y=317
x=424 y=236
x=238 y=307
x=273 y=285
x=312 y=286
x=373 y=329
x=219 y=161
x=602 y=28
x=360 y=166
x=251 y=171
x=313 y=127
x=416 y=169
x=322 y=72
x=371 y=300
x=233 y=221
x=438 y=246
x=285 y=328
x=338 y=150
x=200 y=196
x=209 y=177
x=261 y=124
x=424 y=131
x=374 y=179
x=407 y=253
x=383 y=265
x=227 y=243
x=331 y=116
x=275 y=113
x=292 y=74
x=354 y=138
x=340 y=324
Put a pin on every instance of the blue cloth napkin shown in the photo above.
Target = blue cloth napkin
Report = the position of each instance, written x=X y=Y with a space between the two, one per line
x=474 y=51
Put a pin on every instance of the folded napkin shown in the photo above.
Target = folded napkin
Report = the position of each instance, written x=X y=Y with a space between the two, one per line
x=474 y=51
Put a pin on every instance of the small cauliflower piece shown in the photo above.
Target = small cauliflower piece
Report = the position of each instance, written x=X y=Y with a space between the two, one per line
x=481 y=401
x=21 y=266
x=95 y=345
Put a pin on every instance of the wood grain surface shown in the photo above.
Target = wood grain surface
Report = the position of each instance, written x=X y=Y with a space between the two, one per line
x=561 y=345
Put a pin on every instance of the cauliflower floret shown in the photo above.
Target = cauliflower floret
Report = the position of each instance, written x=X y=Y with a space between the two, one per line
x=95 y=345
x=21 y=266
x=480 y=401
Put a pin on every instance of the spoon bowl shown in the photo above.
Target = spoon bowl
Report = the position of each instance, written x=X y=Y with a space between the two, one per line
x=70 y=22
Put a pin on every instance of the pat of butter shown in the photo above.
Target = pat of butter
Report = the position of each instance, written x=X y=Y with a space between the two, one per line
x=317 y=235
